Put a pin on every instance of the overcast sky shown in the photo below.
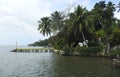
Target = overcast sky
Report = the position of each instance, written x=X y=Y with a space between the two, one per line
x=18 y=18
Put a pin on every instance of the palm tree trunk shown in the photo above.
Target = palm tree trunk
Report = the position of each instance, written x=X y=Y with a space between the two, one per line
x=84 y=39
x=52 y=39
x=54 y=42
x=118 y=56
x=108 y=47
x=103 y=50
x=99 y=40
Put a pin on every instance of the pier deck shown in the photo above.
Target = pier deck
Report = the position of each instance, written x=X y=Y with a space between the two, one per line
x=47 y=49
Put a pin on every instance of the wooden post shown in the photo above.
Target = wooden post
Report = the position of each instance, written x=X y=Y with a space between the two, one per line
x=16 y=45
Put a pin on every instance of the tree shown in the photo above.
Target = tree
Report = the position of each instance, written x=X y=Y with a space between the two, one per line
x=45 y=26
x=57 y=21
x=78 y=20
x=109 y=19
x=115 y=34
x=98 y=12
x=104 y=14
x=97 y=25
x=118 y=7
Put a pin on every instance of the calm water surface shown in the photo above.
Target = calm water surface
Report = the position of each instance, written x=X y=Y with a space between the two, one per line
x=52 y=65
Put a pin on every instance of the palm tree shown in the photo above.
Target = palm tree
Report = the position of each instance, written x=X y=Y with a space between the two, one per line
x=103 y=20
x=57 y=21
x=109 y=19
x=98 y=13
x=99 y=16
x=78 y=22
x=45 y=26
x=118 y=7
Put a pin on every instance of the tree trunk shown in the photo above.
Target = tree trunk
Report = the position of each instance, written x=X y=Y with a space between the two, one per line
x=99 y=40
x=118 y=56
x=84 y=39
x=103 y=50
x=53 y=40
x=108 y=48
x=108 y=44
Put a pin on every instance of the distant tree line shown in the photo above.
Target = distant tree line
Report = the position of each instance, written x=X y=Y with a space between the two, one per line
x=41 y=43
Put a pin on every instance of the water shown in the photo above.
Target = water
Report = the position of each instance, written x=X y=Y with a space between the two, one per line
x=52 y=65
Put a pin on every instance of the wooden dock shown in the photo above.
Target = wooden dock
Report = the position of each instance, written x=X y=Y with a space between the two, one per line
x=116 y=62
x=47 y=49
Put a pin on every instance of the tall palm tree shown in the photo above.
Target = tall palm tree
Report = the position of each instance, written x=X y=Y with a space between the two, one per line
x=99 y=16
x=103 y=20
x=109 y=15
x=45 y=26
x=78 y=22
x=98 y=12
x=57 y=21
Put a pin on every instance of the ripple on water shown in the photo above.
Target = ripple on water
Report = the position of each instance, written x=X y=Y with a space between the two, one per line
x=52 y=65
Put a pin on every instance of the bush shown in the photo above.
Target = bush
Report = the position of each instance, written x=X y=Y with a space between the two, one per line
x=67 y=49
x=88 y=51
x=115 y=52
x=93 y=43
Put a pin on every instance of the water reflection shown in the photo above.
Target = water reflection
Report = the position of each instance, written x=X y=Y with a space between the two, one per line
x=59 y=66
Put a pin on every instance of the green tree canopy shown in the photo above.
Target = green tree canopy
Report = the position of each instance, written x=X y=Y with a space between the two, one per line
x=45 y=26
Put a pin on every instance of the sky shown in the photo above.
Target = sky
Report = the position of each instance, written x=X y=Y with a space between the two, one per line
x=19 y=18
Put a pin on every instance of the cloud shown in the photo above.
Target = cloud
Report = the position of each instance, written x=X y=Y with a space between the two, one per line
x=117 y=15
x=85 y=2
x=18 y=18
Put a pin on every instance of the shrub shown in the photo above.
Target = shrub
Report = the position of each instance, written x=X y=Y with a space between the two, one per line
x=115 y=52
x=67 y=49
x=89 y=50
x=93 y=43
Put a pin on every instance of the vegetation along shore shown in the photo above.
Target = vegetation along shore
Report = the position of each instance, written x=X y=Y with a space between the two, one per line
x=83 y=32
